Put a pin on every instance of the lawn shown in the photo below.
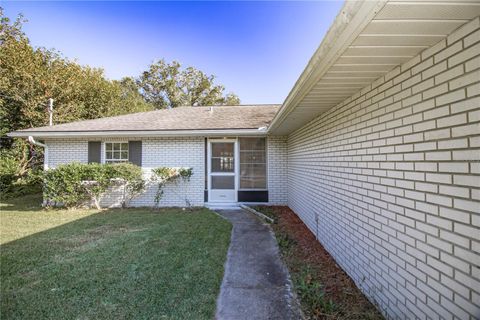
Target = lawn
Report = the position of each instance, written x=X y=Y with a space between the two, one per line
x=111 y=264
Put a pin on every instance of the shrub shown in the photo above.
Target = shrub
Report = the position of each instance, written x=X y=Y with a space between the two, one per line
x=164 y=175
x=75 y=183
x=132 y=180
x=20 y=173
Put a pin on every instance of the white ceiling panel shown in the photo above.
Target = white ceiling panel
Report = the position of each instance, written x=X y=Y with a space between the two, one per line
x=372 y=50
x=429 y=11
x=396 y=40
x=385 y=35
x=391 y=60
x=361 y=67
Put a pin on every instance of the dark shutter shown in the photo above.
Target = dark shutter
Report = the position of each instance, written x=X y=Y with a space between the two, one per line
x=135 y=152
x=94 y=151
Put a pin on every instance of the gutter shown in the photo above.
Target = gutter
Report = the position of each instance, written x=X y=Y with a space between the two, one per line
x=349 y=23
x=139 y=133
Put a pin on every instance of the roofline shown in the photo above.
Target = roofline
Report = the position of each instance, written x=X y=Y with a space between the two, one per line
x=138 y=133
x=349 y=23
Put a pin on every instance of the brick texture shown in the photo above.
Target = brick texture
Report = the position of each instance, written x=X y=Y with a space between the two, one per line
x=156 y=152
x=388 y=181
x=172 y=152
x=277 y=169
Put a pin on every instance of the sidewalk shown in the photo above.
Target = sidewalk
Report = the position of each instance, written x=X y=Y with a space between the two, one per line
x=256 y=283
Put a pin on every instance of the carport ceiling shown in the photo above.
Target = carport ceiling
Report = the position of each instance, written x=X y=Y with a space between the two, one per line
x=367 y=40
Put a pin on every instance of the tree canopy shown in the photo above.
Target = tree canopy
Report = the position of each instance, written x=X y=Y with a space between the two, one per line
x=30 y=76
x=167 y=85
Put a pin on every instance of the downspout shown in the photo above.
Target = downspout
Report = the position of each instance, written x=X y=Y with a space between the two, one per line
x=31 y=139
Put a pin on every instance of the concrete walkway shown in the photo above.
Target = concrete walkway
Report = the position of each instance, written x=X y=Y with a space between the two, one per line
x=256 y=284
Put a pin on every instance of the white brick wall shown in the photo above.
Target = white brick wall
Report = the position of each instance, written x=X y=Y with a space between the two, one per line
x=389 y=182
x=156 y=152
x=173 y=152
x=277 y=170
x=66 y=150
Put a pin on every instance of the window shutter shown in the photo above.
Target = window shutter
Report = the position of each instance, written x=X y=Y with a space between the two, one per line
x=94 y=151
x=135 y=152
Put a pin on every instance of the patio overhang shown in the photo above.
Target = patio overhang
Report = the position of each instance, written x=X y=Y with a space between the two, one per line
x=366 y=41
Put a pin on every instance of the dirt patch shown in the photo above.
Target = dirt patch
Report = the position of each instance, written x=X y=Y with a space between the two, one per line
x=324 y=289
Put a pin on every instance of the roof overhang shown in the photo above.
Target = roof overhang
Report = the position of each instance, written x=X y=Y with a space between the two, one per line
x=366 y=41
x=141 y=133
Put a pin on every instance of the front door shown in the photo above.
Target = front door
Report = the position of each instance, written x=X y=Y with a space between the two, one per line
x=221 y=168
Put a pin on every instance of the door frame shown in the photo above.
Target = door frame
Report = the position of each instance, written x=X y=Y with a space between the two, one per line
x=236 y=166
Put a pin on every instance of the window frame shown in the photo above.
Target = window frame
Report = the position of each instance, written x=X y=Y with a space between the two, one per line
x=106 y=160
x=266 y=164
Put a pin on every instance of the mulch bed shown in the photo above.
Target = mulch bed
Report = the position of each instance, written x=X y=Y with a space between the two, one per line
x=324 y=289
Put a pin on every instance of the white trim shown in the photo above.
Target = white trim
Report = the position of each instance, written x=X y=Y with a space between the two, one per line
x=45 y=158
x=103 y=151
x=140 y=133
x=349 y=23
x=209 y=168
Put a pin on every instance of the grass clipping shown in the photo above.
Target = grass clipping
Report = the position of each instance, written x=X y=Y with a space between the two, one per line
x=325 y=291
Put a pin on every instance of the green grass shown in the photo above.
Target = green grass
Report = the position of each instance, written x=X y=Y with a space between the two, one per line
x=112 y=264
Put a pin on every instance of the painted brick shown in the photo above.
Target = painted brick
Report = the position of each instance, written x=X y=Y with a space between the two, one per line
x=449 y=74
x=464 y=55
x=465 y=80
x=464 y=30
x=471 y=39
x=429 y=209
x=452 y=120
x=436 y=113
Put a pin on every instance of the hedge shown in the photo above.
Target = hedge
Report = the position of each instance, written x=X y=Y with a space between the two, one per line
x=75 y=184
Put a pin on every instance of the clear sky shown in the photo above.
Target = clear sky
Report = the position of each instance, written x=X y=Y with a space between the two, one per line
x=256 y=49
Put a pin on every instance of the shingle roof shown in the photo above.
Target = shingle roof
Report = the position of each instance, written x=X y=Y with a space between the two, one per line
x=181 y=118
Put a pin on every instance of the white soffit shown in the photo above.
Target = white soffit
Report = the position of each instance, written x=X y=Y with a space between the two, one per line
x=366 y=41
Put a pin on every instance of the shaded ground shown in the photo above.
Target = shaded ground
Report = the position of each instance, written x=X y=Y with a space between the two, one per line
x=256 y=284
x=325 y=290
x=111 y=264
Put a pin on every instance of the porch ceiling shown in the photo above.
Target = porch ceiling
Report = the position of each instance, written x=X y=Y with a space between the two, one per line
x=367 y=40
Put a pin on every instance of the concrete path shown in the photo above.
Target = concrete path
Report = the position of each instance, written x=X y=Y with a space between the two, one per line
x=256 y=284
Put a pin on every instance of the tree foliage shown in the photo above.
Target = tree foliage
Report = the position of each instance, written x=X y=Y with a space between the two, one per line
x=167 y=85
x=29 y=76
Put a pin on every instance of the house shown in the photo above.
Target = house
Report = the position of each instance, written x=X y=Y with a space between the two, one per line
x=376 y=148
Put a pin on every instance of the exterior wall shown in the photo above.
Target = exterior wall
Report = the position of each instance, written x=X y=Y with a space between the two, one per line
x=62 y=151
x=173 y=152
x=156 y=152
x=277 y=170
x=389 y=181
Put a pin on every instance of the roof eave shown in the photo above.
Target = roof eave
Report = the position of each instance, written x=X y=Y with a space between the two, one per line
x=348 y=24
x=137 y=133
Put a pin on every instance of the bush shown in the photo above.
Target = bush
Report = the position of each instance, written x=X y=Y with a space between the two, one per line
x=164 y=175
x=20 y=173
x=75 y=183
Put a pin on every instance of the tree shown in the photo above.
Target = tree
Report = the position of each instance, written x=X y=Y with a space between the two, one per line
x=168 y=85
x=30 y=76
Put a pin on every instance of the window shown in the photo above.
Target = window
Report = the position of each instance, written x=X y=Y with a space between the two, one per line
x=222 y=157
x=116 y=152
x=253 y=164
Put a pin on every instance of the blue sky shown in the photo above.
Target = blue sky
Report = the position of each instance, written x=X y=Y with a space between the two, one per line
x=256 y=49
